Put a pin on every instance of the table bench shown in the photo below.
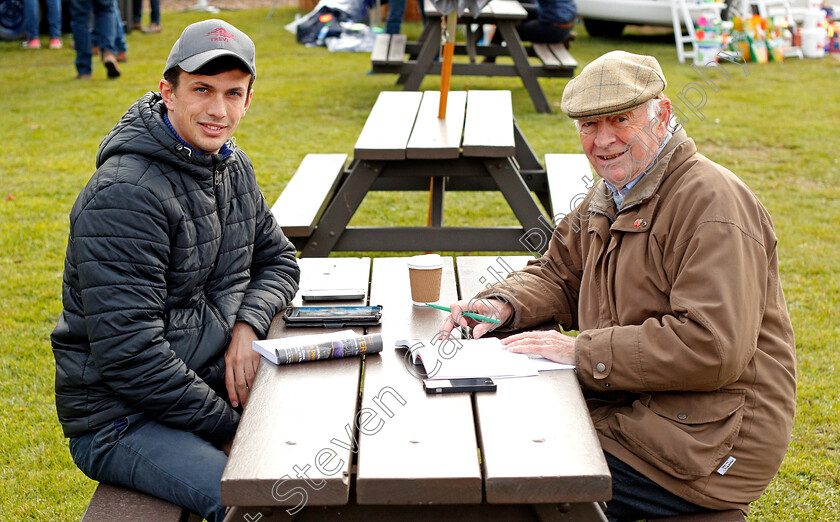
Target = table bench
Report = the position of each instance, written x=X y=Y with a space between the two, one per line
x=359 y=439
x=389 y=53
x=307 y=194
x=405 y=146
x=115 y=504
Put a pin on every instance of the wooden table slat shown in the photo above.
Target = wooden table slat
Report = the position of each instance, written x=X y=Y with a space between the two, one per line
x=438 y=138
x=488 y=129
x=529 y=454
x=298 y=445
x=506 y=9
x=426 y=453
x=388 y=126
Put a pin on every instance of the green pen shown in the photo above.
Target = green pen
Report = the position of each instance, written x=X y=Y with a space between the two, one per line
x=477 y=317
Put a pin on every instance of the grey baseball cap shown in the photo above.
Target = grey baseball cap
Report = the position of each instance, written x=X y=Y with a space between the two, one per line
x=207 y=40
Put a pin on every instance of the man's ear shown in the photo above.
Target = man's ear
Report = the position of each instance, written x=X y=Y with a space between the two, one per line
x=167 y=92
x=664 y=116
x=248 y=101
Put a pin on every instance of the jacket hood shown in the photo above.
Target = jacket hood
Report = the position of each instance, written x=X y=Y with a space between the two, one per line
x=142 y=130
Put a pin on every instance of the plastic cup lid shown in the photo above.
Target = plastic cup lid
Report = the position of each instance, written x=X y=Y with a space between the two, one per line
x=425 y=262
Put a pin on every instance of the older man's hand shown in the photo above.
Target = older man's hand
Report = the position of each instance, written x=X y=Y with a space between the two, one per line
x=550 y=344
x=494 y=308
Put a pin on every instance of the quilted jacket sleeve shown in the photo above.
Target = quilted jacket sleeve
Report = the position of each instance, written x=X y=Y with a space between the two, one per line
x=121 y=250
x=274 y=273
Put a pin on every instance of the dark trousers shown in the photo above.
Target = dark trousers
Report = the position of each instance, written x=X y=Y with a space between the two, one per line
x=535 y=31
x=636 y=497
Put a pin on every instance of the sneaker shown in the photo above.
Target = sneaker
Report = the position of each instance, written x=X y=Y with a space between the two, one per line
x=55 y=43
x=31 y=44
x=152 y=28
x=122 y=57
x=110 y=62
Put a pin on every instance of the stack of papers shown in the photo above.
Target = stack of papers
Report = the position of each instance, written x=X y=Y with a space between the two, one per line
x=469 y=358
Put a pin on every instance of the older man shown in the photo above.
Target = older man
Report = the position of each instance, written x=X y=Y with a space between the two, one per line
x=669 y=271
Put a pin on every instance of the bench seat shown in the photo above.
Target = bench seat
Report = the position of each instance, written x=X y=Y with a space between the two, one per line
x=115 y=504
x=554 y=56
x=308 y=193
x=388 y=51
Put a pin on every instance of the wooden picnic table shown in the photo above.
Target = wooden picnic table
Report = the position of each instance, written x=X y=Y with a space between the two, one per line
x=389 y=53
x=359 y=439
x=405 y=146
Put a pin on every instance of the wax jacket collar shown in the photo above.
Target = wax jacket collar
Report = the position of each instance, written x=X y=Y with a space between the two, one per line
x=602 y=201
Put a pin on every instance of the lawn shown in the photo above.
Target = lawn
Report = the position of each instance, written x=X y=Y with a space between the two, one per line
x=774 y=125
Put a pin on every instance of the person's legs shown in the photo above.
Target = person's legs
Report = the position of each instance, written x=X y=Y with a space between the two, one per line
x=155 y=15
x=396 y=10
x=54 y=18
x=141 y=454
x=104 y=13
x=636 y=497
x=119 y=31
x=539 y=32
x=80 y=25
x=137 y=13
x=30 y=19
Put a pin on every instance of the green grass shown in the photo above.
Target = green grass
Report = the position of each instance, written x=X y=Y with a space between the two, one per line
x=776 y=128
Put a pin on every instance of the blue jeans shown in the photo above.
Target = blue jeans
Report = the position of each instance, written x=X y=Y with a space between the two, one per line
x=104 y=12
x=30 y=18
x=636 y=497
x=137 y=15
x=396 y=10
x=119 y=33
x=147 y=456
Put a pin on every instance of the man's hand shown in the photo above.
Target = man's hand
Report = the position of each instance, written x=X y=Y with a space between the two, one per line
x=550 y=344
x=241 y=363
x=494 y=308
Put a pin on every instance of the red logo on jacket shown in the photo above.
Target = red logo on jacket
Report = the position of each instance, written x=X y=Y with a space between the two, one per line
x=220 y=35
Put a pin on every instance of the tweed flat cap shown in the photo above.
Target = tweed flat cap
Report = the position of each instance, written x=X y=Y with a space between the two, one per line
x=613 y=83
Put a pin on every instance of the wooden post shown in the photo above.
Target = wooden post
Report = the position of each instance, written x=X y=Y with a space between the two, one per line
x=449 y=29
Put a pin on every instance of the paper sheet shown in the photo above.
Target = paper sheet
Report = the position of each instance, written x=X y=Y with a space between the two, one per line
x=462 y=358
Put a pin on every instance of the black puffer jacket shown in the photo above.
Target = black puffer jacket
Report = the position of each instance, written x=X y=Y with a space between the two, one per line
x=167 y=249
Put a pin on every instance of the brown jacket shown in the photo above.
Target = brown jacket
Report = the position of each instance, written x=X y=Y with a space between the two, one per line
x=686 y=351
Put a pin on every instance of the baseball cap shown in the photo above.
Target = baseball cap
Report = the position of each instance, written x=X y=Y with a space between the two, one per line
x=612 y=84
x=207 y=40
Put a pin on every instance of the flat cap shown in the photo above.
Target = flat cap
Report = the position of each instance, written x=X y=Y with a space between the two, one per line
x=613 y=83
x=207 y=40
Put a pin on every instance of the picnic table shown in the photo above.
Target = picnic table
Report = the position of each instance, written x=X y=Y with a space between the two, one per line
x=360 y=439
x=405 y=146
x=389 y=53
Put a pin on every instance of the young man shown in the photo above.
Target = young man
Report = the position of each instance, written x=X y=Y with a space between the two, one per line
x=174 y=267
x=669 y=271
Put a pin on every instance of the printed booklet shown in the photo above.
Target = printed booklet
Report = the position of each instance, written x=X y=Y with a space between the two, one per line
x=344 y=343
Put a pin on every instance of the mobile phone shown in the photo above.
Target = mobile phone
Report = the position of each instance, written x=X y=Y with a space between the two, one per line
x=435 y=386
x=332 y=294
x=332 y=316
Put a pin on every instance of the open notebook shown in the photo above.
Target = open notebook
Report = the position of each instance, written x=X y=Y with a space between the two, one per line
x=464 y=358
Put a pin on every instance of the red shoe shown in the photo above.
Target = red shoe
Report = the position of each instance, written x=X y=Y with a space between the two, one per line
x=31 y=44
x=55 y=43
